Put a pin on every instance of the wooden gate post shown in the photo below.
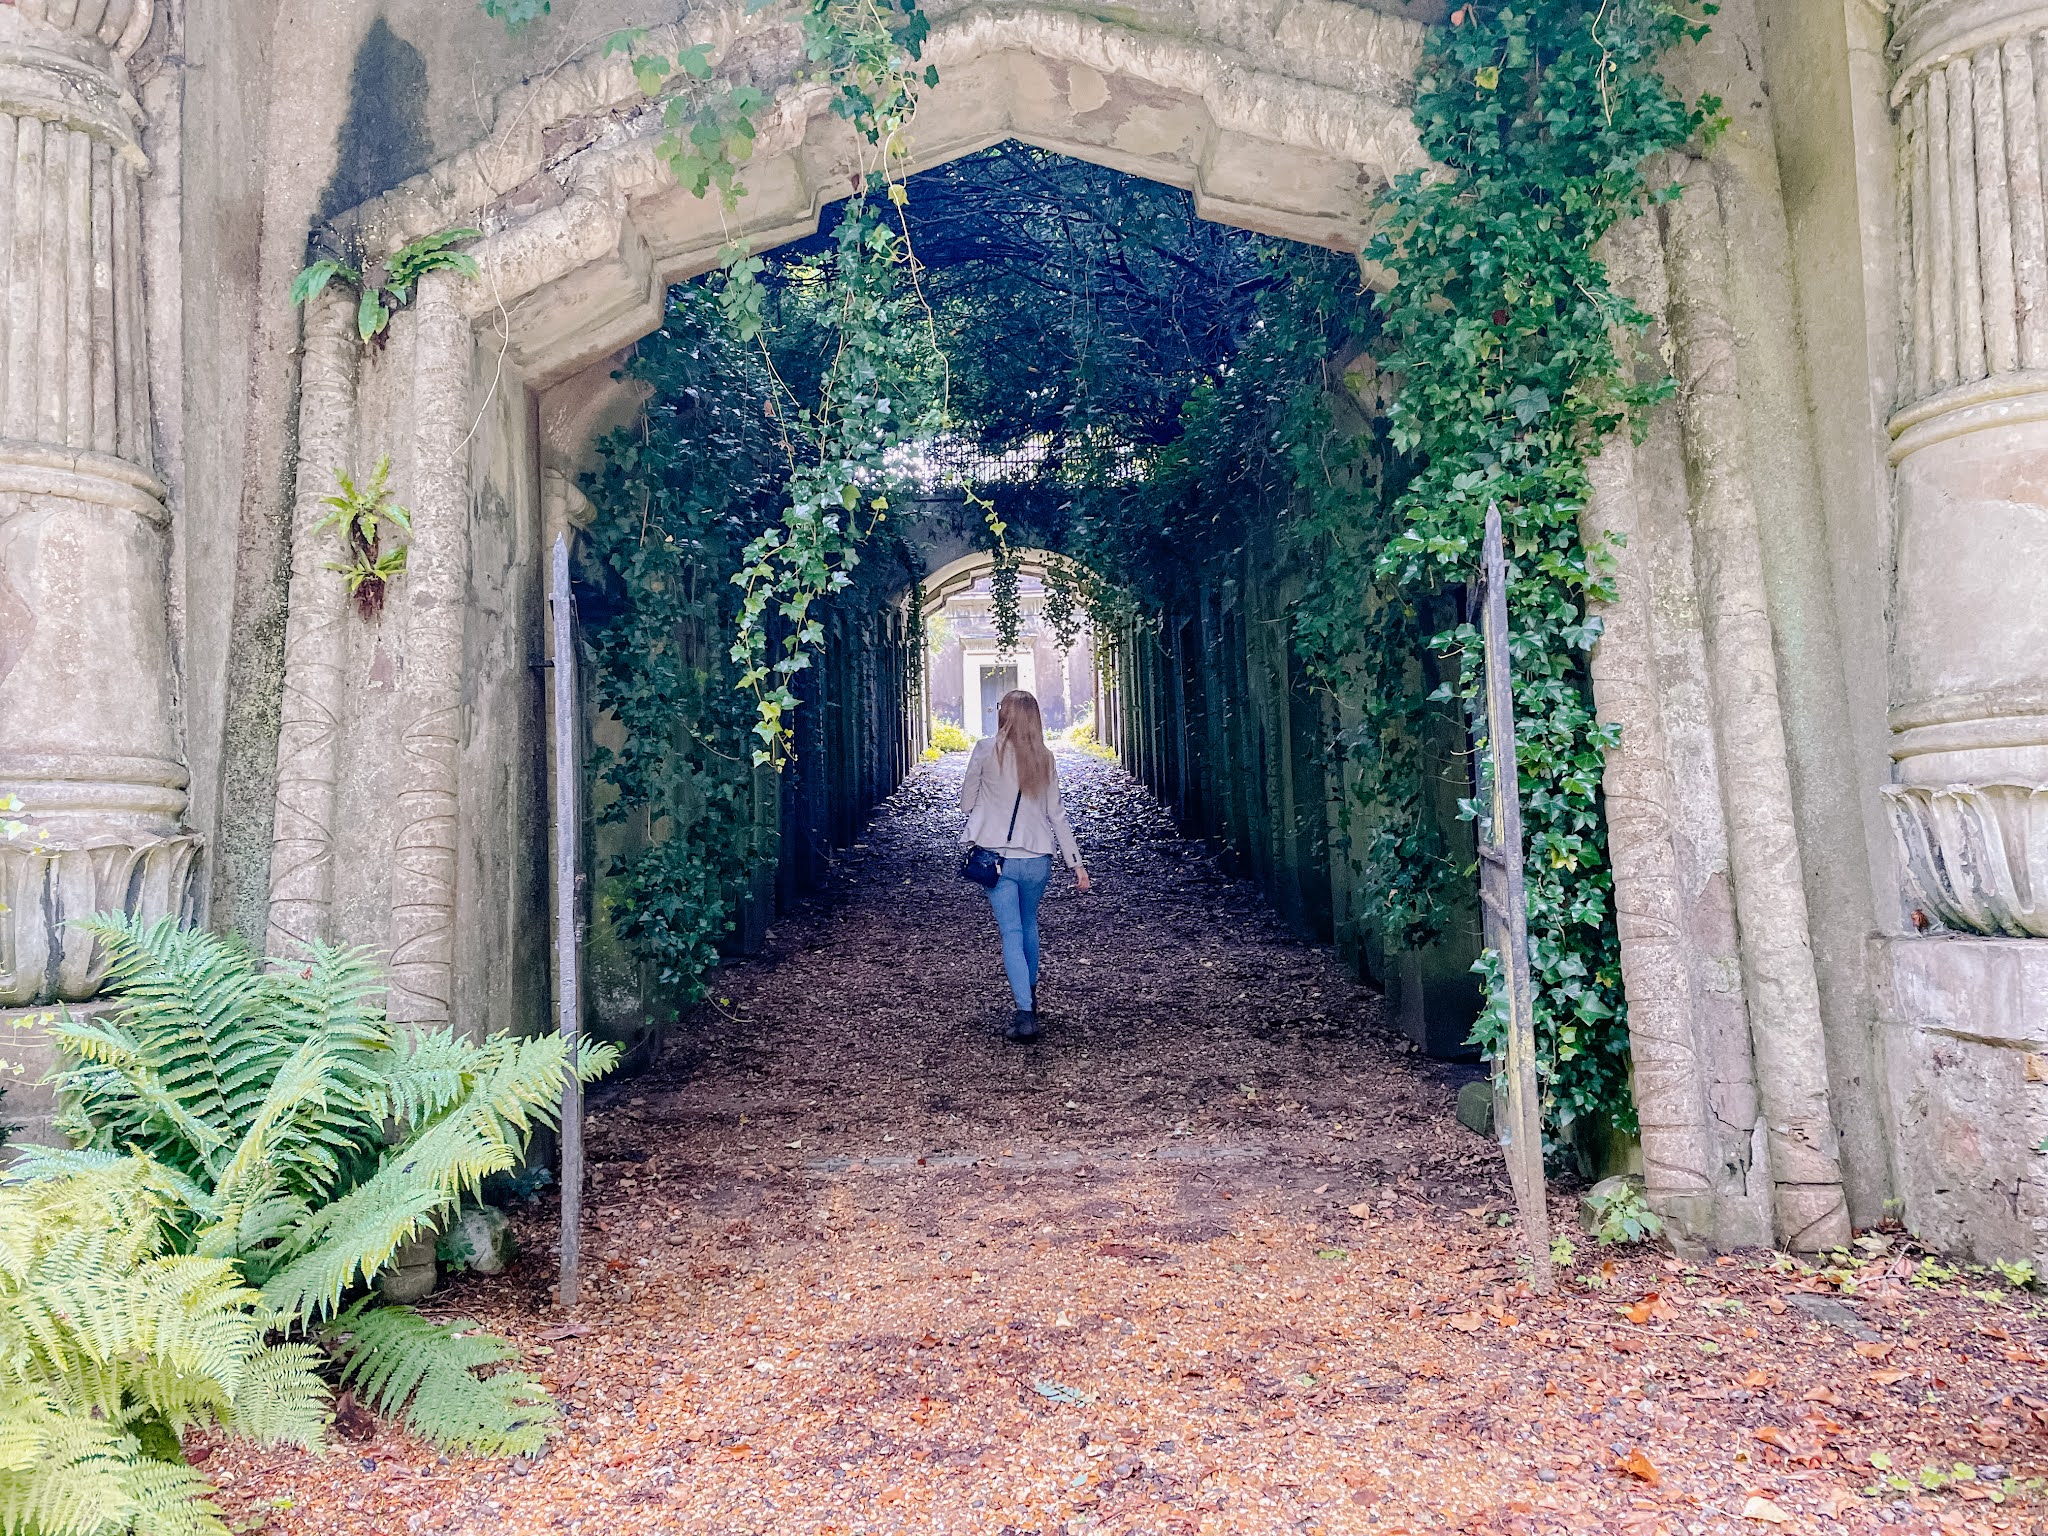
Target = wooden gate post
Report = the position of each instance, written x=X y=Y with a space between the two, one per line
x=568 y=936
x=1504 y=904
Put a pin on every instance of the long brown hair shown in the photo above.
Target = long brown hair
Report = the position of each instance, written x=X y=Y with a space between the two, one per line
x=1020 y=739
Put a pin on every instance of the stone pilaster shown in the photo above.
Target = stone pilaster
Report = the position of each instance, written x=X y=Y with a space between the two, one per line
x=88 y=735
x=1969 y=692
x=1969 y=707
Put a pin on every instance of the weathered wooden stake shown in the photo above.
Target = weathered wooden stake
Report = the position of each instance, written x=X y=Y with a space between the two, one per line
x=1504 y=905
x=568 y=972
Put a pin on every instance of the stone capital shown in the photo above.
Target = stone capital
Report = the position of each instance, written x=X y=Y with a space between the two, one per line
x=1926 y=34
x=116 y=27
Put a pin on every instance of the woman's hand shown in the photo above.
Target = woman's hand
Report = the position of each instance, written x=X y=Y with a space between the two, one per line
x=1081 y=876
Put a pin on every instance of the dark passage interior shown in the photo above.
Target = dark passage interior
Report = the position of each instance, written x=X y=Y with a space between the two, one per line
x=1111 y=360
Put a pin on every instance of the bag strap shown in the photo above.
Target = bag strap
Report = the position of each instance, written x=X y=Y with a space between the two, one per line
x=1013 y=818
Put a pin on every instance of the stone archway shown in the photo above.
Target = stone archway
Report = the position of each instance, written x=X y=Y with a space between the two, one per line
x=1823 y=668
x=1040 y=663
x=406 y=812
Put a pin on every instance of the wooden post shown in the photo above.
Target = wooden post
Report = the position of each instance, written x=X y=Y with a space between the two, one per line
x=568 y=936
x=1519 y=1109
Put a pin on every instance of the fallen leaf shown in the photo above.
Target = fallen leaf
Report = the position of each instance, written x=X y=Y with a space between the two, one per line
x=1652 y=1308
x=1841 y=1501
x=1889 y=1378
x=1822 y=1395
x=1637 y=1465
x=1871 y=1351
x=1361 y=1210
x=1465 y=1322
x=1761 y=1508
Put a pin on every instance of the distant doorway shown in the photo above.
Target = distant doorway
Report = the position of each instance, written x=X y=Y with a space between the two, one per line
x=995 y=682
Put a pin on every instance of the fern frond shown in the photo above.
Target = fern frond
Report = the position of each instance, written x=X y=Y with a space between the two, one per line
x=510 y=1087
x=190 y=1042
x=281 y=1398
x=399 y=1361
x=82 y=1476
x=106 y=1339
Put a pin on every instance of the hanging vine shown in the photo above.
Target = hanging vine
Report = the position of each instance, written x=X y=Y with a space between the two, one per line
x=1500 y=329
x=679 y=496
x=1064 y=597
x=883 y=382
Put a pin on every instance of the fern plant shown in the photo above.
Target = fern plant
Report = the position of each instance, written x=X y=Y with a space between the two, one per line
x=378 y=300
x=307 y=1139
x=359 y=514
x=403 y=1365
x=110 y=1344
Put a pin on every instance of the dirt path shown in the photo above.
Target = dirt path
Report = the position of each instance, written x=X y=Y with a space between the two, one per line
x=864 y=1266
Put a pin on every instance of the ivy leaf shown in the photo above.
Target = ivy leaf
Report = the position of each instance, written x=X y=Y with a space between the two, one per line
x=1488 y=78
x=650 y=70
x=695 y=61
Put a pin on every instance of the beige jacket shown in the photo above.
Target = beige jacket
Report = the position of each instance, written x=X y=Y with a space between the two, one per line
x=989 y=794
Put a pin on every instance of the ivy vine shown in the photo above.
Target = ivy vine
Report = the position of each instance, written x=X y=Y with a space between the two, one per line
x=883 y=381
x=679 y=497
x=1500 y=328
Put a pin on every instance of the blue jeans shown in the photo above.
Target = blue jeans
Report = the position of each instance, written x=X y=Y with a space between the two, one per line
x=1015 y=898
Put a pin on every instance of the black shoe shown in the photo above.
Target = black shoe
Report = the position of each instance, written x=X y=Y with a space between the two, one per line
x=1025 y=1025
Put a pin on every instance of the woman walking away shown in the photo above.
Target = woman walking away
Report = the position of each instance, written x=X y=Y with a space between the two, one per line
x=1012 y=801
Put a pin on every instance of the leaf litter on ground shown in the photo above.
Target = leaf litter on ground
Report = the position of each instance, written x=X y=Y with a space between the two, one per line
x=1087 y=1284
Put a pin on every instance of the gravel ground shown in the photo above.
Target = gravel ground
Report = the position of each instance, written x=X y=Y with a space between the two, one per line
x=1212 y=1256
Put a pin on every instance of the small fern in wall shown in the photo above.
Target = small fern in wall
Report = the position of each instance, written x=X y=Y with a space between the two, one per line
x=358 y=514
x=381 y=295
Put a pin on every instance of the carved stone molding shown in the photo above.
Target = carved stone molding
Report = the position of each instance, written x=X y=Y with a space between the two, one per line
x=45 y=889
x=1976 y=855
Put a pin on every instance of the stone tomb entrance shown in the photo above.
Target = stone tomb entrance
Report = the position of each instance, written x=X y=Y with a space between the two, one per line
x=410 y=801
x=410 y=794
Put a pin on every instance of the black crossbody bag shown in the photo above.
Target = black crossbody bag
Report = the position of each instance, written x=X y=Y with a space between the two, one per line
x=981 y=866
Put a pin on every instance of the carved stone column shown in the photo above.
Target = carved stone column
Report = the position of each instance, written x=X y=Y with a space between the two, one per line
x=1969 y=691
x=1969 y=709
x=87 y=710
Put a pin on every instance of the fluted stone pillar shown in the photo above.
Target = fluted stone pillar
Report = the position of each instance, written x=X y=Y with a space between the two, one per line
x=1969 y=711
x=1969 y=691
x=88 y=734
